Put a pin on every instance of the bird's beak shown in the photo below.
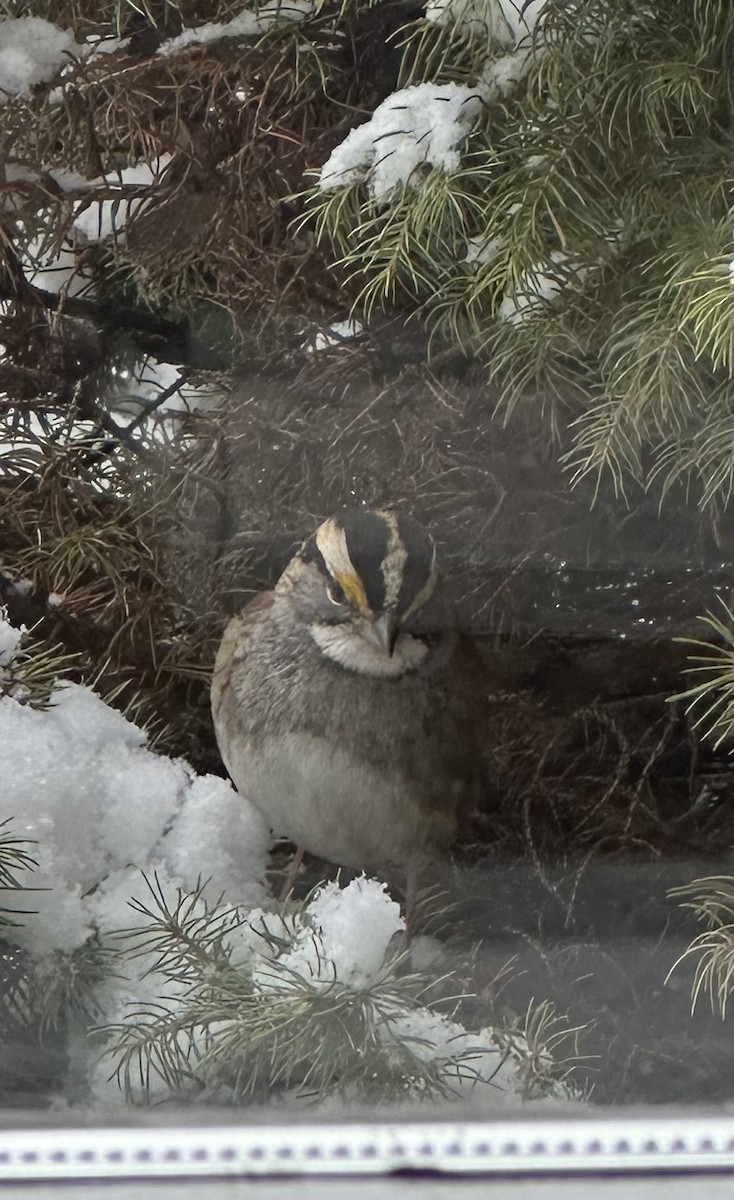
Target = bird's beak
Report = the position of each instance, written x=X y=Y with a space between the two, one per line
x=382 y=632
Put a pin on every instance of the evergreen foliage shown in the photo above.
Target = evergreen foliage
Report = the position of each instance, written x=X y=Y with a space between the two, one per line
x=34 y=671
x=711 y=699
x=711 y=694
x=579 y=252
x=39 y=999
x=595 y=199
x=579 y=256
x=101 y=558
x=712 y=902
x=15 y=860
x=241 y=1030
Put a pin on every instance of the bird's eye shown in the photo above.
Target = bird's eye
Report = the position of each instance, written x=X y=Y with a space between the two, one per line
x=335 y=592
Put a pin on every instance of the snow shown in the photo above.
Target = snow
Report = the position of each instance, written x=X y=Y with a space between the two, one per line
x=474 y=18
x=134 y=392
x=484 y=251
x=10 y=639
x=52 y=271
x=219 y=834
x=436 y=1039
x=539 y=287
x=347 y=936
x=31 y=51
x=522 y=16
x=343 y=934
x=356 y=926
x=504 y=22
x=334 y=335
x=416 y=128
x=53 y=267
x=101 y=218
x=102 y=45
x=80 y=780
x=137 y=390
x=22 y=172
x=501 y=75
x=246 y=24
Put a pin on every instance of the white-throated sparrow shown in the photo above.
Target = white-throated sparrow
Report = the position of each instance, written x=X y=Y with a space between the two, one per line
x=345 y=704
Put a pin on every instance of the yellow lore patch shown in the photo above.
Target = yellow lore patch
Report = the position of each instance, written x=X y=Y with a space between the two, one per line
x=353 y=590
x=331 y=541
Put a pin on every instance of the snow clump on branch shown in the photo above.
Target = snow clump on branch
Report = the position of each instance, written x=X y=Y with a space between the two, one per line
x=416 y=128
x=504 y=22
x=31 y=51
x=425 y=125
x=245 y=24
x=540 y=286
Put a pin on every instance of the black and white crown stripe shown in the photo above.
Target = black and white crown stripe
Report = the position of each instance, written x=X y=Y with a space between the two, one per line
x=392 y=557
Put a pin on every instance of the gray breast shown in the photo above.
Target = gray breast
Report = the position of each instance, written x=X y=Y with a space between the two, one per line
x=358 y=770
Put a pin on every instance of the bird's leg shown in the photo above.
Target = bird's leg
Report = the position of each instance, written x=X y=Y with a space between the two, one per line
x=291 y=872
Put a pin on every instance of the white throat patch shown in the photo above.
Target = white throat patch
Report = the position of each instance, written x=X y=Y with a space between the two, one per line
x=342 y=645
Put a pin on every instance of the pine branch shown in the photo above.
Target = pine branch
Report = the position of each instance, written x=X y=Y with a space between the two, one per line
x=259 y=1026
x=582 y=248
x=15 y=860
x=711 y=696
x=712 y=902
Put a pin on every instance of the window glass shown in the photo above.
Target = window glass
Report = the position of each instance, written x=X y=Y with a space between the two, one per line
x=420 y=316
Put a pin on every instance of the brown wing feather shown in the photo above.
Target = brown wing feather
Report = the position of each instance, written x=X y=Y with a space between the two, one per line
x=233 y=648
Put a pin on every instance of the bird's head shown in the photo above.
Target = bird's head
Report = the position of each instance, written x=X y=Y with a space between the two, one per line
x=362 y=578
